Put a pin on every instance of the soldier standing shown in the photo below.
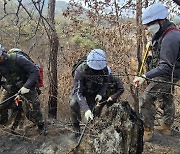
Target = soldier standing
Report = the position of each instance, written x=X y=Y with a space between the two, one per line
x=165 y=67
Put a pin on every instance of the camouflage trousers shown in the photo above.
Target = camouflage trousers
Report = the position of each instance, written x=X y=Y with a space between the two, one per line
x=30 y=106
x=157 y=91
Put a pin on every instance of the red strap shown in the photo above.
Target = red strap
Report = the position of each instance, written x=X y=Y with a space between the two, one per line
x=17 y=102
x=168 y=30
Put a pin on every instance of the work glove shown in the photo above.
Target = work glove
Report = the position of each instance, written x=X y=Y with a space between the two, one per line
x=98 y=98
x=23 y=90
x=139 y=80
x=109 y=99
x=88 y=114
x=17 y=97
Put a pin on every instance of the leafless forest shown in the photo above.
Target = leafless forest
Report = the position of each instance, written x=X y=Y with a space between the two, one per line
x=56 y=39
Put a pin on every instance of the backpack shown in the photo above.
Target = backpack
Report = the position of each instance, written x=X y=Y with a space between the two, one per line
x=77 y=63
x=15 y=51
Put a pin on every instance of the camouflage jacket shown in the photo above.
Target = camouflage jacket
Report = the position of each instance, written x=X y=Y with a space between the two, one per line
x=88 y=82
x=115 y=88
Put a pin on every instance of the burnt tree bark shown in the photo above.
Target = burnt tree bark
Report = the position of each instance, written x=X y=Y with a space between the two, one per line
x=139 y=46
x=139 y=32
x=54 y=44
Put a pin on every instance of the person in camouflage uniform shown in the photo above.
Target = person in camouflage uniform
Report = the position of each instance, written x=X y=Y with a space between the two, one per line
x=89 y=86
x=21 y=77
x=164 y=67
x=114 y=90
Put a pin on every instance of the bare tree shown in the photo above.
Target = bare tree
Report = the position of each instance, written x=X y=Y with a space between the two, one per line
x=34 y=14
x=139 y=44
x=54 y=44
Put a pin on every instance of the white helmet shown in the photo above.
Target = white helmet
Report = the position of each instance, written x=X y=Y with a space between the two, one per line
x=96 y=59
x=1 y=49
x=154 y=12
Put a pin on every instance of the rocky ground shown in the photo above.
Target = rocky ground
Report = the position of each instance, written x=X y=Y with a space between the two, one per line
x=58 y=140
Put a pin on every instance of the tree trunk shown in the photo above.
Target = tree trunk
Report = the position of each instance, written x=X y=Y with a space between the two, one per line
x=139 y=32
x=54 y=44
x=139 y=44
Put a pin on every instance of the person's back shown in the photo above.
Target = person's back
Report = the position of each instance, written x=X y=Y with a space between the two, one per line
x=17 y=72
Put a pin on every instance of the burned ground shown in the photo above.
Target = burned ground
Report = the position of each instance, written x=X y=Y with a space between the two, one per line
x=117 y=130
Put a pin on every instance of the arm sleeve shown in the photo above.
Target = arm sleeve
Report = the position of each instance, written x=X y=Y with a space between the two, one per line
x=168 y=56
x=78 y=88
x=31 y=70
x=120 y=89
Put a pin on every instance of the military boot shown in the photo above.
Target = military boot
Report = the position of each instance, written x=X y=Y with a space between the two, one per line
x=42 y=130
x=148 y=134
x=164 y=129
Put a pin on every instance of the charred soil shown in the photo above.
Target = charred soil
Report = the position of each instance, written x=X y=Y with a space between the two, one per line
x=117 y=130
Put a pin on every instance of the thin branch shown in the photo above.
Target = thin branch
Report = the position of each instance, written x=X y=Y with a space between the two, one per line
x=5 y=3
x=20 y=4
x=40 y=13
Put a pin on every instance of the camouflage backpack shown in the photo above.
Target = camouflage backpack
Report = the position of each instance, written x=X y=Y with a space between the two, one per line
x=77 y=63
x=12 y=55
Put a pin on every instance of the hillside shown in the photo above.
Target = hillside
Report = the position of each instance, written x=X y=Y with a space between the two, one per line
x=60 y=5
